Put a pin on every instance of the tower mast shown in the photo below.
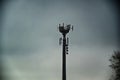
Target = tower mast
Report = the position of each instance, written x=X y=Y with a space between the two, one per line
x=64 y=30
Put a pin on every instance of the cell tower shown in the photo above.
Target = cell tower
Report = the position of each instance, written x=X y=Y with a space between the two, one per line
x=64 y=41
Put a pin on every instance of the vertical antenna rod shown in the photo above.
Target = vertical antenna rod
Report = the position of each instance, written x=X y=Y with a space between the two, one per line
x=64 y=30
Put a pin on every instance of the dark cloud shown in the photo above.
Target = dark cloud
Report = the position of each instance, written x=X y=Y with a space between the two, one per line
x=30 y=37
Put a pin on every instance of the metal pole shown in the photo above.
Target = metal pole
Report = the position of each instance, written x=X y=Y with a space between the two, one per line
x=64 y=59
x=64 y=30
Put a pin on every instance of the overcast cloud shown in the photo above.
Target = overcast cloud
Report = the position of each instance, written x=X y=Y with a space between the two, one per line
x=30 y=39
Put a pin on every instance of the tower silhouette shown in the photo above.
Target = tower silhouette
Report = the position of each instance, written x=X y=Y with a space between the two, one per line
x=65 y=41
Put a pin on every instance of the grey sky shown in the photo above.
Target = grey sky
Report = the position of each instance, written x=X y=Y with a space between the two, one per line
x=30 y=39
